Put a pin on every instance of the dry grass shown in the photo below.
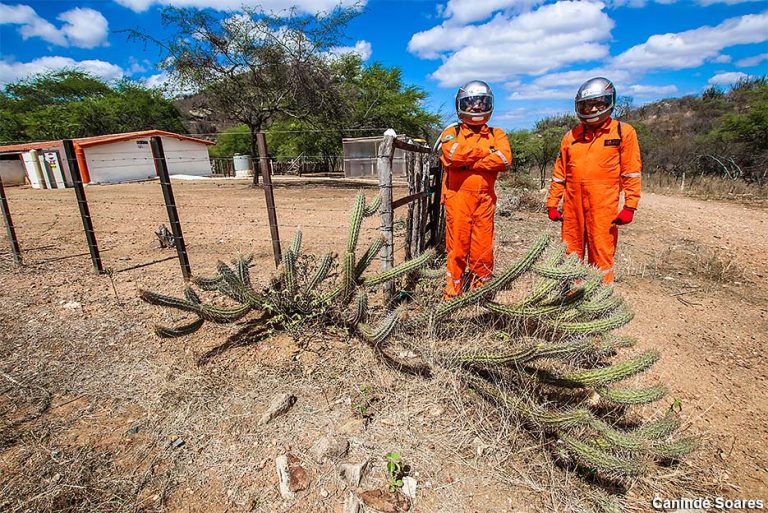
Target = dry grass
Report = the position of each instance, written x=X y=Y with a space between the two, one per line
x=687 y=259
x=706 y=187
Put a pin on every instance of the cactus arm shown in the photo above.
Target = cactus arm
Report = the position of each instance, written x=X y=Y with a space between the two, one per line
x=633 y=396
x=178 y=331
x=373 y=206
x=400 y=270
x=368 y=257
x=377 y=335
x=601 y=460
x=323 y=267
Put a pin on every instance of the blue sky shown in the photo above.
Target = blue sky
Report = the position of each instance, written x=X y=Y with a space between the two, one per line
x=533 y=53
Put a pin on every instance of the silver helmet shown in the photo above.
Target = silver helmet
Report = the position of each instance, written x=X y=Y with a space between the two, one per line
x=474 y=103
x=595 y=100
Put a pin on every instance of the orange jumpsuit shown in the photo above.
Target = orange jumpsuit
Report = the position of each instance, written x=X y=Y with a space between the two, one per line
x=593 y=167
x=471 y=157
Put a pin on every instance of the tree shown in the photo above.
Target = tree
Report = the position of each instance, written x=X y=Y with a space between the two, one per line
x=253 y=66
x=71 y=103
x=369 y=99
x=545 y=145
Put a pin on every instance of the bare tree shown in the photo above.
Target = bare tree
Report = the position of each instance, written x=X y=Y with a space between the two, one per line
x=254 y=65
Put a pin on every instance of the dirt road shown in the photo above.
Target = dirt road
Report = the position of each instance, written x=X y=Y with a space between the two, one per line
x=97 y=401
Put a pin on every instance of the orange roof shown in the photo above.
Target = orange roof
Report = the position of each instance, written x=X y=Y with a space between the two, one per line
x=85 y=142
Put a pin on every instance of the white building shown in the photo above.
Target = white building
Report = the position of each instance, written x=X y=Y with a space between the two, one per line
x=111 y=158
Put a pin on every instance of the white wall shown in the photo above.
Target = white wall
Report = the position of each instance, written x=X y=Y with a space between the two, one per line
x=186 y=157
x=12 y=171
x=132 y=160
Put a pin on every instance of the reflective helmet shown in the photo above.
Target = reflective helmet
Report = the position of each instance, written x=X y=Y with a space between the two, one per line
x=595 y=92
x=474 y=103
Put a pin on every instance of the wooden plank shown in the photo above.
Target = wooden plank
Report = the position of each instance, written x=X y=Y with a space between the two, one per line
x=402 y=145
x=407 y=199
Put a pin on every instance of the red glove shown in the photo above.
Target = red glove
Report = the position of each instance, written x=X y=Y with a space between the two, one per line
x=554 y=214
x=625 y=216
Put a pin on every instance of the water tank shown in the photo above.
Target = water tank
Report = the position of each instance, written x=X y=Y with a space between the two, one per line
x=243 y=166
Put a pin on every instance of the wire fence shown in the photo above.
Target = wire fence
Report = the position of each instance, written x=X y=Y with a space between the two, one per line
x=219 y=218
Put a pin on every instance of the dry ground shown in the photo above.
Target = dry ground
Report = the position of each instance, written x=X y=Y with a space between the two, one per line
x=98 y=414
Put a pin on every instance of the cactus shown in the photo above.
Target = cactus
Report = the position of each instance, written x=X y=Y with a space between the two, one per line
x=400 y=270
x=601 y=460
x=322 y=271
x=559 y=336
x=296 y=244
x=633 y=396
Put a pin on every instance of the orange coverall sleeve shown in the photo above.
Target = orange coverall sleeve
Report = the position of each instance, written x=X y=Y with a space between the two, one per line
x=557 y=186
x=499 y=157
x=457 y=151
x=631 y=167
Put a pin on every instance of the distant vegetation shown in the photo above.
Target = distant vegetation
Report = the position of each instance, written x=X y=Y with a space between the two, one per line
x=719 y=138
x=71 y=103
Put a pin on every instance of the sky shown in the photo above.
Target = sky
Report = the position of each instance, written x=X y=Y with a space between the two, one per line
x=533 y=53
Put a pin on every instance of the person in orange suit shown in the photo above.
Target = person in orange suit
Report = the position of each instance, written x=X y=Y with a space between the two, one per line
x=472 y=155
x=598 y=160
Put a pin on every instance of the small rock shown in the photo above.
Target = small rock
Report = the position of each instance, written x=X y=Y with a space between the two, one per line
x=73 y=306
x=279 y=406
x=291 y=475
x=299 y=479
x=409 y=487
x=330 y=447
x=383 y=501
x=352 y=504
x=352 y=474
x=324 y=493
x=284 y=477
x=352 y=427
x=177 y=443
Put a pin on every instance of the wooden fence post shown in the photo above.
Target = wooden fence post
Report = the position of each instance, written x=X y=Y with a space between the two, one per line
x=9 y=229
x=170 y=204
x=82 y=203
x=269 y=194
x=384 y=168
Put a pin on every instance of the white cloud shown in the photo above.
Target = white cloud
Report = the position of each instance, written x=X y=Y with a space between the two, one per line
x=728 y=78
x=236 y=5
x=12 y=71
x=361 y=48
x=722 y=59
x=748 y=62
x=727 y=2
x=82 y=27
x=468 y=11
x=691 y=48
x=532 y=43
x=650 y=90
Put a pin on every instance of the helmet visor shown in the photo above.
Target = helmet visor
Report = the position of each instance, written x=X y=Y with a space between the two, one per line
x=594 y=105
x=476 y=104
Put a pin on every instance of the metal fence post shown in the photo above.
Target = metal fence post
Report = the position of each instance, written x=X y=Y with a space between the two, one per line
x=170 y=204
x=269 y=193
x=9 y=229
x=384 y=167
x=82 y=203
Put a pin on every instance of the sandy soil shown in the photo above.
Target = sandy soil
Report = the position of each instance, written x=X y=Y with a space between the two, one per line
x=95 y=405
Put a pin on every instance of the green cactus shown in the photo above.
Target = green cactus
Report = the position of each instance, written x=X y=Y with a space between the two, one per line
x=372 y=207
x=601 y=460
x=400 y=270
x=323 y=267
x=599 y=377
x=564 y=321
x=296 y=244
x=633 y=396
x=355 y=222
x=289 y=268
x=661 y=428
x=367 y=258
x=377 y=335
x=603 y=325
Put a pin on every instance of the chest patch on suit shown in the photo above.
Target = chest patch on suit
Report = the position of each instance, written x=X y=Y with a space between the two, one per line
x=612 y=142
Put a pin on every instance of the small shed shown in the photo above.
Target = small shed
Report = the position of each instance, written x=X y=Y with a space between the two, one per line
x=113 y=158
x=361 y=154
